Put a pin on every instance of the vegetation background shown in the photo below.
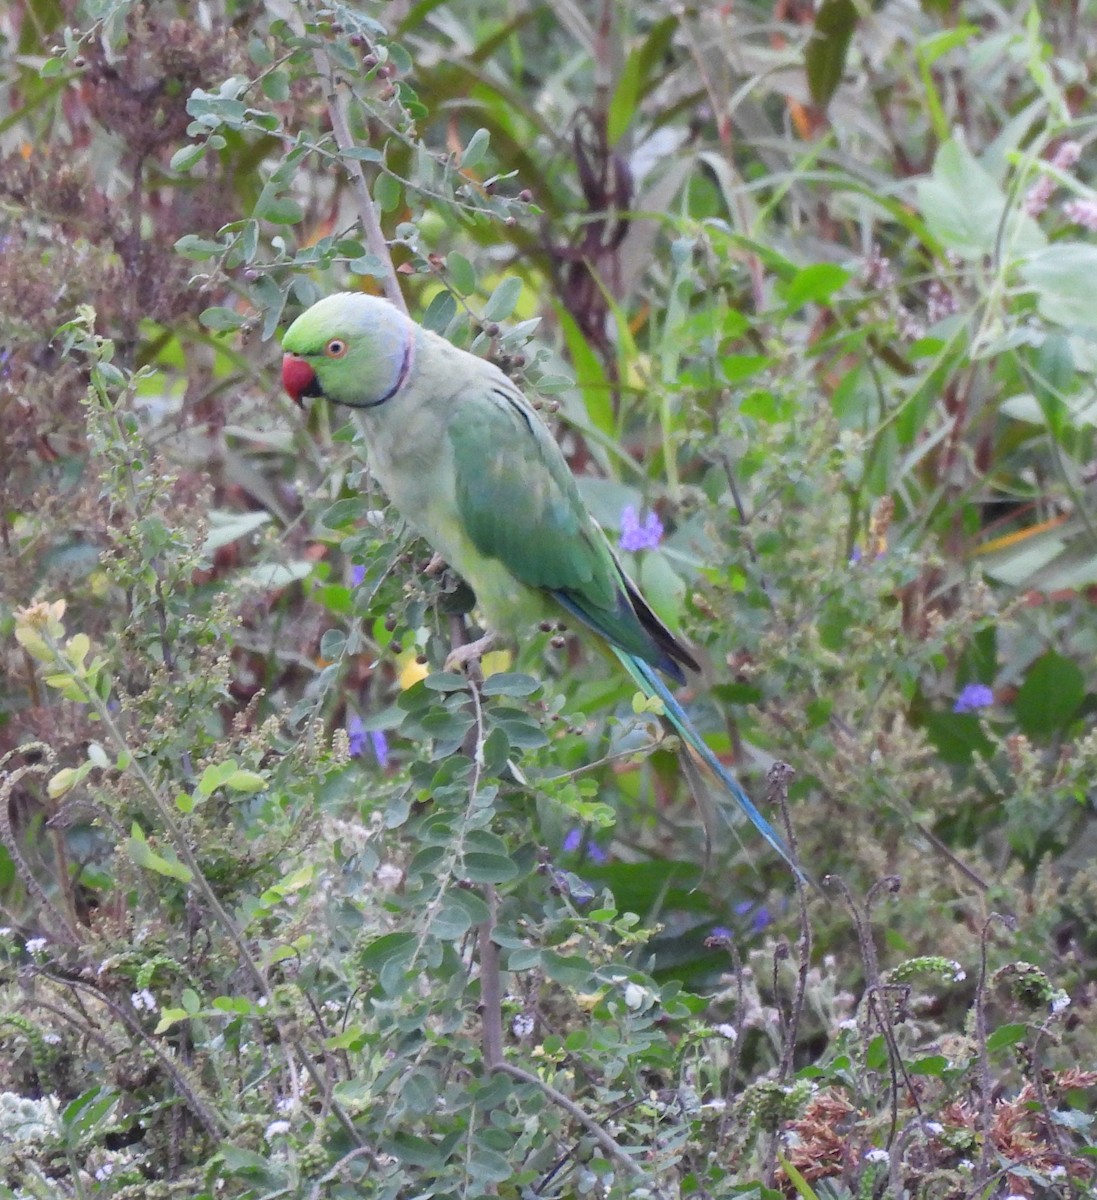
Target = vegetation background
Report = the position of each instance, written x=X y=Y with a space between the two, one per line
x=807 y=294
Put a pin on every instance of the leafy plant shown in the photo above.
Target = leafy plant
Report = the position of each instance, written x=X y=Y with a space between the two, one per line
x=292 y=911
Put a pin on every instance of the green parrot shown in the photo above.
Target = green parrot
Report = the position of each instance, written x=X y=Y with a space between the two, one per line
x=471 y=467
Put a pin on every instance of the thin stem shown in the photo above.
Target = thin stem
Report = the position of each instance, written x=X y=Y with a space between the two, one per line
x=371 y=223
x=572 y=1109
x=491 y=992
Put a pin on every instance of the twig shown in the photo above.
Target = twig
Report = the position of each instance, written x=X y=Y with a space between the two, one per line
x=589 y=1124
x=491 y=995
x=982 y=1170
x=367 y=213
x=780 y=775
x=8 y=779
x=215 y=1123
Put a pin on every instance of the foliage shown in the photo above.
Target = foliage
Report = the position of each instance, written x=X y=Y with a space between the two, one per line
x=293 y=911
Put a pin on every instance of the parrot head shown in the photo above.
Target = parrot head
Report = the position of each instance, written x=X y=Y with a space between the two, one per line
x=350 y=348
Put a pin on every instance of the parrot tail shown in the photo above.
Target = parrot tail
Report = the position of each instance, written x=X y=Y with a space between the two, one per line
x=648 y=681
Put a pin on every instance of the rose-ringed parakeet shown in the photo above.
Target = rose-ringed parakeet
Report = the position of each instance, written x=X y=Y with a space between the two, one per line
x=471 y=467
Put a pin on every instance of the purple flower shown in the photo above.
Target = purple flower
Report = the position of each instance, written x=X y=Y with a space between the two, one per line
x=356 y=735
x=973 y=696
x=380 y=745
x=591 y=850
x=635 y=536
x=720 y=933
x=761 y=917
x=357 y=574
x=1082 y=212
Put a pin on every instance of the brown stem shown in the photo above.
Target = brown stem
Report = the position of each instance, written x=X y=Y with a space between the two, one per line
x=491 y=995
x=367 y=213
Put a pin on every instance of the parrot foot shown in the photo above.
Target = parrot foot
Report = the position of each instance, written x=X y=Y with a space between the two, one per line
x=460 y=657
x=436 y=565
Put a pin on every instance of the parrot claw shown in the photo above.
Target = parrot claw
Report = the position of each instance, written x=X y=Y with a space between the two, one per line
x=460 y=657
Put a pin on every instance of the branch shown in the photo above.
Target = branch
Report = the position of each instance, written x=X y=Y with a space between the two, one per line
x=491 y=1000
x=589 y=1123
x=367 y=213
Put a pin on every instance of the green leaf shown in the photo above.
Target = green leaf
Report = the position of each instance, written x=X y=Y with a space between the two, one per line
x=87 y=1110
x=568 y=970
x=246 y=781
x=452 y=920
x=932 y=1064
x=461 y=274
x=1062 y=277
x=387 y=191
x=1005 y=1036
x=219 y=319
x=279 y=210
x=876 y=1056
x=187 y=156
x=502 y=301
x=814 y=284
x=803 y=1189
x=507 y=683
x=637 y=71
x=143 y=855
x=489 y=1167
x=227 y=527
x=825 y=57
x=440 y=311
x=488 y=868
x=388 y=949
x=1050 y=696
x=963 y=206
x=420 y=1092
x=276 y=86
x=475 y=150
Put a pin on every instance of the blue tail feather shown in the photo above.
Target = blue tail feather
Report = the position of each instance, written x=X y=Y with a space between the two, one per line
x=646 y=679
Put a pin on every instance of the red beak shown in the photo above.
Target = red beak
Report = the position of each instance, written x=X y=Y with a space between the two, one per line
x=298 y=378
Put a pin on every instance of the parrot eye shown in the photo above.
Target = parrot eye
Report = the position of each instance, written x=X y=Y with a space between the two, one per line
x=336 y=348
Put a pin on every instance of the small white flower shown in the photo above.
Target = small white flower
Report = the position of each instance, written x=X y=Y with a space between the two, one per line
x=5 y=931
x=36 y=945
x=261 y=1002
x=728 y=1031
x=877 y=1156
x=965 y=1164
x=144 y=999
x=276 y=1129
x=285 y=1105
x=51 y=1038
x=849 y=1024
x=522 y=1025
x=1059 y=1001
x=104 y=1172
x=1056 y=1172
x=634 y=995
x=933 y=1128
x=389 y=876
x=717 y=1105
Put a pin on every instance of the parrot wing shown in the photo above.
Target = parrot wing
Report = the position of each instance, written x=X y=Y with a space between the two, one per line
x=519 y=503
